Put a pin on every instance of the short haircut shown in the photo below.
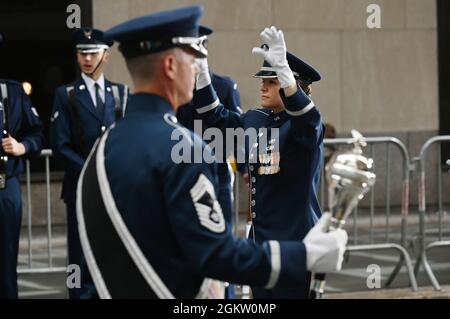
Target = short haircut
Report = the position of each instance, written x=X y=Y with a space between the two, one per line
x=144 y=68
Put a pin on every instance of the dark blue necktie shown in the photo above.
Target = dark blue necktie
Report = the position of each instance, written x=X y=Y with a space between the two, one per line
x=98 y=99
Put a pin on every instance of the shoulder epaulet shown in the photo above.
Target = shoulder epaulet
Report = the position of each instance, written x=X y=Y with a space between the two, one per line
x=172 y=121
x=69 y=88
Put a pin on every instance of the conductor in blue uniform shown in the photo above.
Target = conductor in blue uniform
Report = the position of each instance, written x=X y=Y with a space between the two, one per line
x=82 y=110
x=284 y=168
x=22 y=138
x=158 y=218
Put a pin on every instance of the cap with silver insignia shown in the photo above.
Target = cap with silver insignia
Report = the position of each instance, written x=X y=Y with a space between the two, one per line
x=90 y=40
x=300 y=69
x=204 y=32
x=160 y=31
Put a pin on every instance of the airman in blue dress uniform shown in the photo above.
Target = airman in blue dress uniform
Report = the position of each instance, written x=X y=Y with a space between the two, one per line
x=284 y=169
x=150 y=226
x=22 y=138
x=82 y=110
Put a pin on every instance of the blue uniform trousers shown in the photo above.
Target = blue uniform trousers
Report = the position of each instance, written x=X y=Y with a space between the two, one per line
x=75 y=256
x=74 y=252
x=10 y=220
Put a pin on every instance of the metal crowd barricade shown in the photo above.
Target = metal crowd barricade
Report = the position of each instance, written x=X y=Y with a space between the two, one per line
x=404 y=258
x=46 y=153
x=422 y=258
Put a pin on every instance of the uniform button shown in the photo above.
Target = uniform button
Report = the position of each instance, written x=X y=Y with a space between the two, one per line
x=173 y=118
x=253 y=215
x=253 y=203
x=253 y=191
x=251 y=168
x=253 y=179
x=255 y=145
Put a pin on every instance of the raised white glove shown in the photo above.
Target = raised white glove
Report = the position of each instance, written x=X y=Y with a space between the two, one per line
x=325 y=251
x=276 y=55
x=203 y=78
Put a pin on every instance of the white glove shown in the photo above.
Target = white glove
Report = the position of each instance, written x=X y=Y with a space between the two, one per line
x=276 y=55
x=203 y=78
x=325 y=251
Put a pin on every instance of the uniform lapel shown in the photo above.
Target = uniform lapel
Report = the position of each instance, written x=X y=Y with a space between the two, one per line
x=84 y=98
x=109 y=99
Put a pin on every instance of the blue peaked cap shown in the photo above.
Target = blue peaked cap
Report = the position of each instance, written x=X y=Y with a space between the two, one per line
x=300 y=68
x=88 y=40
x=160 y=31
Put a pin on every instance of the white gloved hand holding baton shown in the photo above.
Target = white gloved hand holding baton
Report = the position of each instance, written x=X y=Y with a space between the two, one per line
x=325 y=250
x=275 y=55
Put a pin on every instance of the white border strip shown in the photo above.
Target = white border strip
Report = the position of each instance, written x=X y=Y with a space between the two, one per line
x=91 y=46
x=116 y=95
x=256 y=110
x=125 y=99
x=132 y=247
x=4 y=90
x=304 y=110
x=267 y=68
x=85 y=245
x=184 y=131
x=275 y=257
x=209 y=107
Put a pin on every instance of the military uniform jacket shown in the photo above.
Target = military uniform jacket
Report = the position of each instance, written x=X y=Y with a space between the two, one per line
x=284 y=181
x=66 y=141
x=24 y=125
x=170 y=212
